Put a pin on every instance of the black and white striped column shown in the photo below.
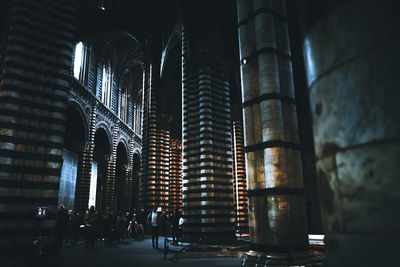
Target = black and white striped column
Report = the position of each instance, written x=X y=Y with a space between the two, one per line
x=33 y=102
x=207 y=155
x=109 y=185
x=239 y=179
x=175 y=174
x=277 y=216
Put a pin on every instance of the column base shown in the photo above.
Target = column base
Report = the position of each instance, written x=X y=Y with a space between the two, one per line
x=293 y=259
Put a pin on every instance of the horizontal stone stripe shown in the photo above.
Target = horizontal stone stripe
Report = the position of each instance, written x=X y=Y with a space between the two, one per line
x=35 y=54
x=206 y=190
x=53 y=106
x=197 y=132
x=205 y=153
x=213 y=198
x=196 y=129
x=29 y=170
x=265 y=50
x=200 y=168
x=60 y=35
x=49 y=51
x=58 y=134
x=205 y=207
x=203 y=175
x=55 y=7
x=259 y=11
x=275 y=191
x=269 y=96
x=207 y=160
x=33 y=117
x=29 y=184
x=270 y=144
x=18 y=87
x=30 y=155
x=62 y=23
x=22 y=29
x=221 y=147
x=33 y=65
x=28 y=200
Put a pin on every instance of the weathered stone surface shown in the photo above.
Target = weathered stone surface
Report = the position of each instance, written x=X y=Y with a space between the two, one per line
x=370 y=188
x=356 y=103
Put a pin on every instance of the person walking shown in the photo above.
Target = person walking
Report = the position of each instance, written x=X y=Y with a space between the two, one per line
x=153 y=220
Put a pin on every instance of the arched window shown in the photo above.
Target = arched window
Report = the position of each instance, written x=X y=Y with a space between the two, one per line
x=106 y=85
x=124 y=105
x=78 y=59
x=81 y=62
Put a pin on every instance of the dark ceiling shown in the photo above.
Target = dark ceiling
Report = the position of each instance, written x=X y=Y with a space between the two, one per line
x=130 y=30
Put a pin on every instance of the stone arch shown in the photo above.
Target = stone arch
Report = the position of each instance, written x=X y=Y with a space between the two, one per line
x=81 y=111
x=174 y=40
x=104 y=126
x=126 y=145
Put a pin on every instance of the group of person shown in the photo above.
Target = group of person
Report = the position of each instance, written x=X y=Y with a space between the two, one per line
x=160 y=223
x=93 y=225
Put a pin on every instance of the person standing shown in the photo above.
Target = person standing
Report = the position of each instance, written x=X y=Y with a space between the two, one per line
x=163 y=222
x=60 y=227
x=153 y=219
x=175 y=225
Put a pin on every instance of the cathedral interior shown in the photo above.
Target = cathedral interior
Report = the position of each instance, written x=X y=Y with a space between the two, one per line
x=261 y=121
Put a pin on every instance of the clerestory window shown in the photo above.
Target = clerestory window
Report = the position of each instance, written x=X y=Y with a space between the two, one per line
x=106 y=85
x=80 y=63
x=124 y=106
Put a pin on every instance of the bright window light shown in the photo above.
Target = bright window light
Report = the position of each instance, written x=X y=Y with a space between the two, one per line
x=78 y=59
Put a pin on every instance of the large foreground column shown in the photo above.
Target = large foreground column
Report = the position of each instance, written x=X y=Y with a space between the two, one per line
x=352 y=56
x=34 y=87
x=277 y=217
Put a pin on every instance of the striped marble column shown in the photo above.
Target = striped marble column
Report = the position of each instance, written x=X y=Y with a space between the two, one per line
x=33 y=104
x=207 y=156
x=158 y=176
x=239 y=179
x=175 y=174
x=85 y=167
x=128 y=182
x=277 y=216
x=109 y=185
x=145 y=136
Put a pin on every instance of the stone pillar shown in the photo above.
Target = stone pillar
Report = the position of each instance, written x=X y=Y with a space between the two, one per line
x=145 y=136
x=35 y=73
x=109 y=185
x=85 y=166
x=128 y=181
x=126 y=199
x=351 y=54
x=207 y=153
x=150 y=161
x=277 y=216
x=239 y=179
x=175 y=174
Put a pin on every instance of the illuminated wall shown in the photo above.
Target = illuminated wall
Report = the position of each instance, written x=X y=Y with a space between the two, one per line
x=68 y=179
x=175 y=175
